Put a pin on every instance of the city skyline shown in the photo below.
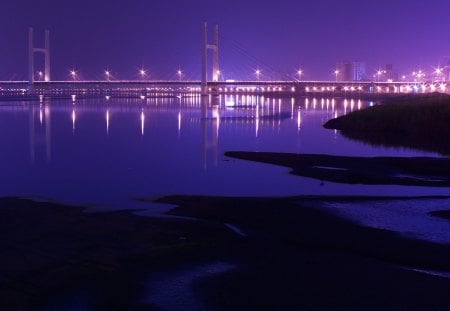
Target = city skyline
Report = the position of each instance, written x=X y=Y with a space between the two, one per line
x=163 y=38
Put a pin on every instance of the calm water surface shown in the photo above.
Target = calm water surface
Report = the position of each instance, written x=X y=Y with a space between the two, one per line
x=104 y=153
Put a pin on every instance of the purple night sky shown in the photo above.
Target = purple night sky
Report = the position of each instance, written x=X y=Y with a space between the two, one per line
x=276 y=36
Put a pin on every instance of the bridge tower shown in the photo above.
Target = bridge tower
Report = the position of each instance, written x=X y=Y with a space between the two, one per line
x=45 y=50
x=215 y=61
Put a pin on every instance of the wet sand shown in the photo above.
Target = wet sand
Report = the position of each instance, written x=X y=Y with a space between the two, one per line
x=445 y=214
x=413 y=171
x=298 y=257
x=49 y=250
x=287 y=254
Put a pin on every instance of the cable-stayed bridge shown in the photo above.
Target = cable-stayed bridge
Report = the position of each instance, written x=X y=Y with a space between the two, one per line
x=75 y=88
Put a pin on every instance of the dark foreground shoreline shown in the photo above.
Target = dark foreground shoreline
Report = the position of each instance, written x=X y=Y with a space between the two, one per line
x=49 y=250
x=290 y=256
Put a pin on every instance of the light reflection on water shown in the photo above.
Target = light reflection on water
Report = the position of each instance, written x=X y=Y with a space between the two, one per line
x=408 y=216
x=104 y=153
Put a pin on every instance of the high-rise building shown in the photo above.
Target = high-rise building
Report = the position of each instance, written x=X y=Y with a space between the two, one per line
x=350 y=71
x=359 y=71
x=389 y=73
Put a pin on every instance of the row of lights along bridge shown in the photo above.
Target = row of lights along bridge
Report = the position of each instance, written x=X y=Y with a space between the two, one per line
x=416 y=76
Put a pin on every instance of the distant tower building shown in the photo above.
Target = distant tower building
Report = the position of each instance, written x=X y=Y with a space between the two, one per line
x=389 y=74
x=359 y=71
x=446 y=71
x=345 y=71
x=351 y=71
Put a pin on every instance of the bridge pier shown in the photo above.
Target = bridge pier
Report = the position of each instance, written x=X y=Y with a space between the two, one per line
x=215 y=62
x=45 y=50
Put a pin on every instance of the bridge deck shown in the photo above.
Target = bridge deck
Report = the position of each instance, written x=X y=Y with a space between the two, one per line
x=133 y=88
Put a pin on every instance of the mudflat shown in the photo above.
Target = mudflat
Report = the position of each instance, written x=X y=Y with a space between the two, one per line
x=412 y=171
x=50 y=249
x=297 y=257
x=287 y=254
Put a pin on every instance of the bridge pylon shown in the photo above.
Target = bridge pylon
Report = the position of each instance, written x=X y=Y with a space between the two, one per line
x=215 y=61
x=45 y=50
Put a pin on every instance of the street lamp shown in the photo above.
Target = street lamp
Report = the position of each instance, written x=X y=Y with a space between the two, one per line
x=73 y=74
x=379 y=73
x=257 y=73
x=107 y=74
x=142 y=73
x=299 y=74
x=438 y=73
x=336 y=72
x=179 y=73
x=41 y=74
x=419 y=75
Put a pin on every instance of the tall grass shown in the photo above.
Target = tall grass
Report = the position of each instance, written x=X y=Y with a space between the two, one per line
x=417 y=122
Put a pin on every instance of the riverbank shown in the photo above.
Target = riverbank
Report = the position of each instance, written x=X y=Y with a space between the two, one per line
x=287 y=254
x=419 y=122
x=412 y=171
